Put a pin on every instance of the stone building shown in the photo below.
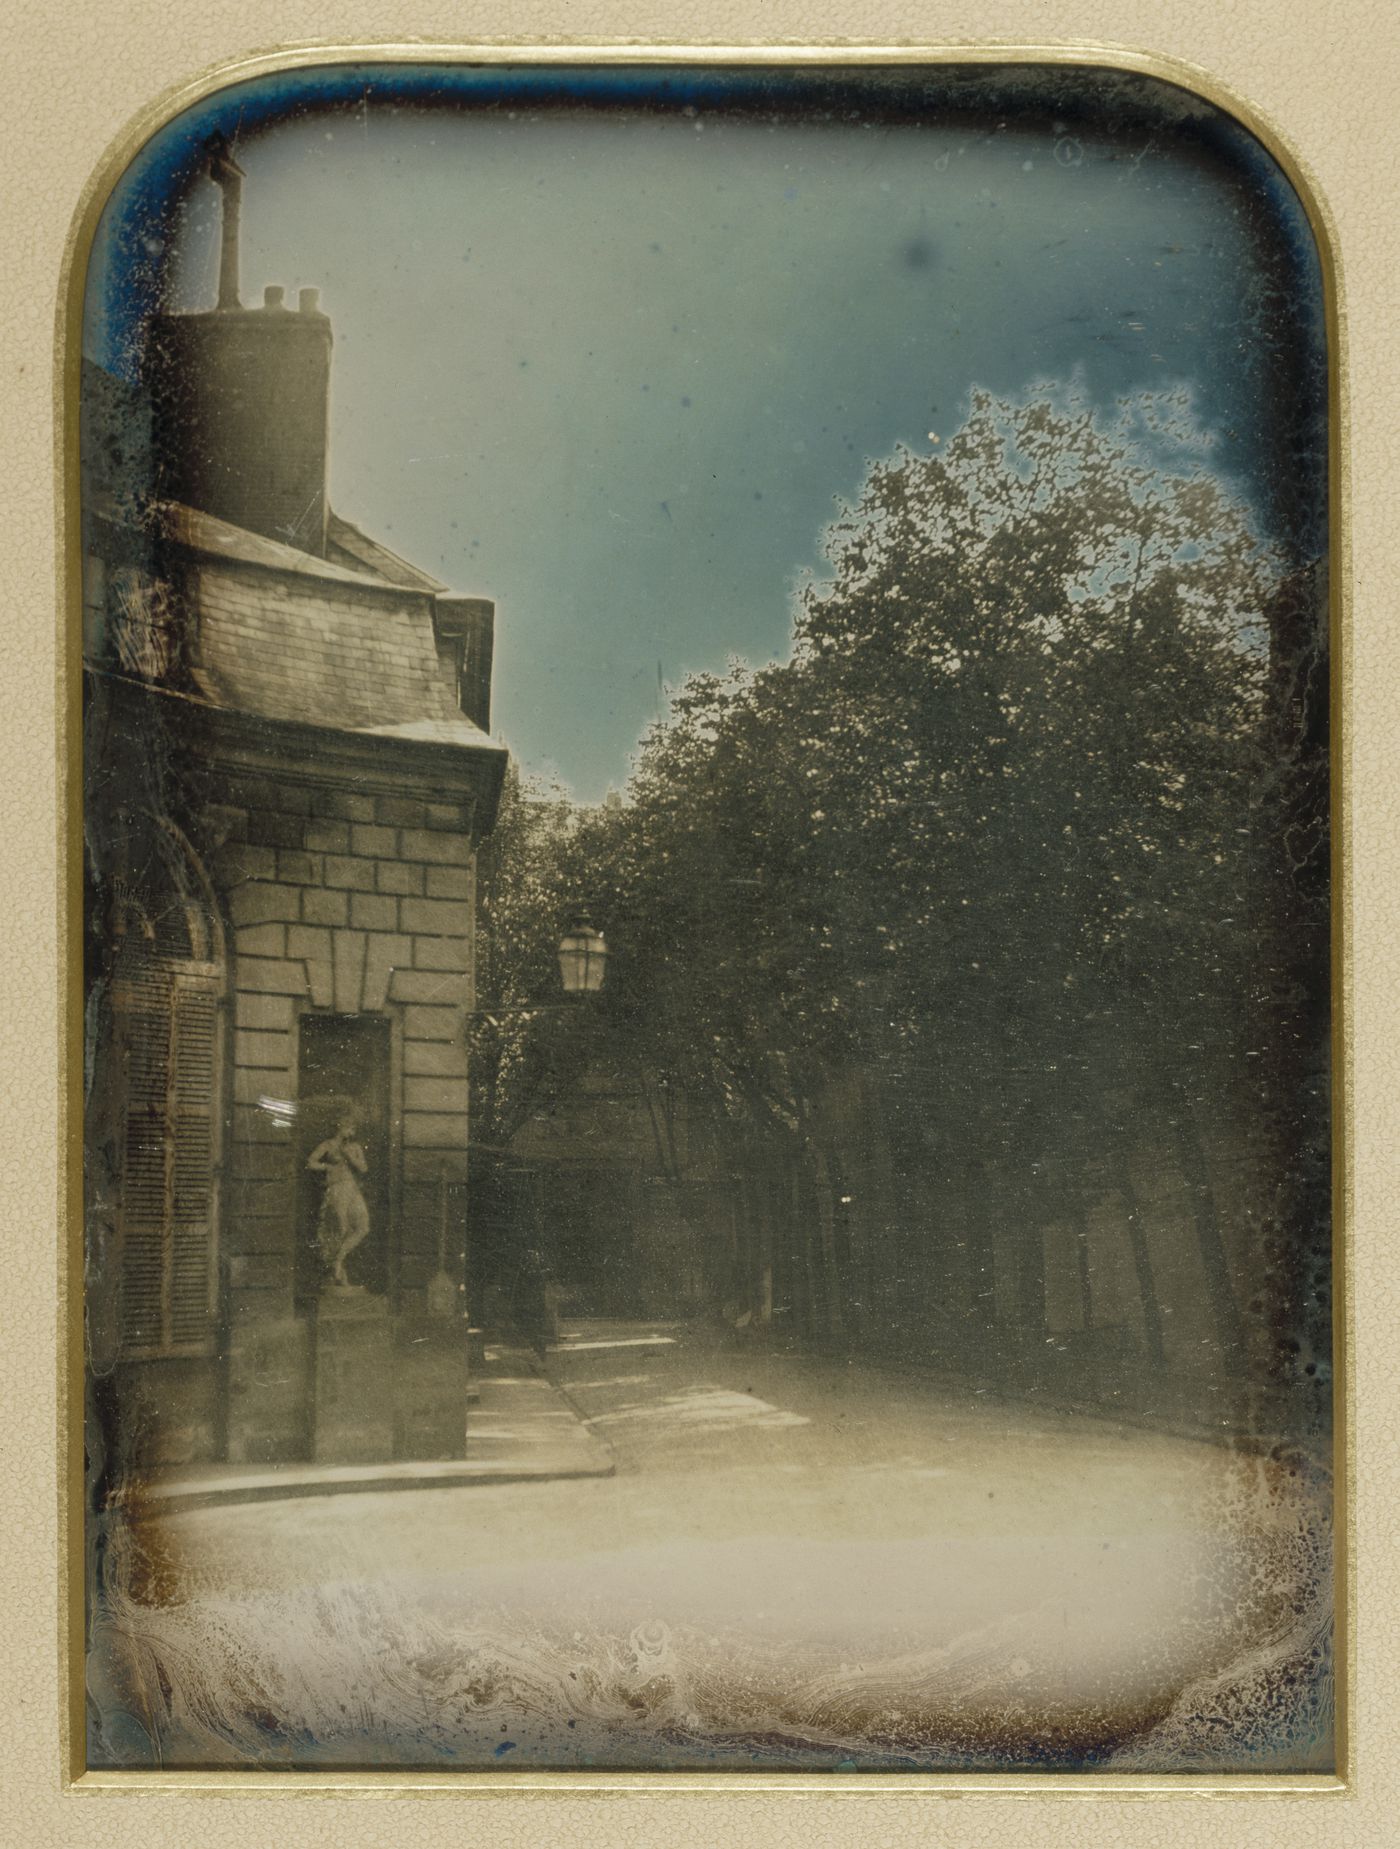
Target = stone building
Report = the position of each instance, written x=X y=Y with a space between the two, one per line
x=287 y=773
x=621 y=1194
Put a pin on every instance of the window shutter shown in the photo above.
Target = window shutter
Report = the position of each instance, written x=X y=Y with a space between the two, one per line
x=169 y=1021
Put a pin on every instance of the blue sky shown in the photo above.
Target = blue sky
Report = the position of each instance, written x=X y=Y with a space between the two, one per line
x=611 y=358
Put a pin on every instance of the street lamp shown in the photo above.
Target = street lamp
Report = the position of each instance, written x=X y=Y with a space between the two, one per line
x=583 y=957
x=583 y=960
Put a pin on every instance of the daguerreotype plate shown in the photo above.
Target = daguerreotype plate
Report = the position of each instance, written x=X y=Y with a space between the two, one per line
x=708 y=953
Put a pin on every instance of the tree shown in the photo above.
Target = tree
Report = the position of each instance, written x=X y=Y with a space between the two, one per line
x=986 y=847
x=522 y=1051
x=522 y=898
x=1063 y=720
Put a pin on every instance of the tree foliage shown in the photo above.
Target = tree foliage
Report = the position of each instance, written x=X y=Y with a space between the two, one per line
x=996 y=807
x=994 y=844
x=521 y=901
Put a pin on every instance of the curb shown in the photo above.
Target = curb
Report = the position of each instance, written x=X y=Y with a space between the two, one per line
x=351 y=1479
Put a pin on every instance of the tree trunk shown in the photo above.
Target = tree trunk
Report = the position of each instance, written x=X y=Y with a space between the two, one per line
x=1081 y=1253
x=833 y=1322
x=1020 y=1213
x=879 y=1217
x=1225 y=1309
x=805 y=1296
x=1142 y=1260
x=981 y=1256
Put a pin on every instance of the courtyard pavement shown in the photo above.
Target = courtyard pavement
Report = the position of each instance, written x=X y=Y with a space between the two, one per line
x=790 y=1560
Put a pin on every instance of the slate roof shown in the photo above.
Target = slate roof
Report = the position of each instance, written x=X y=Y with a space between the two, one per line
x=288 y=635
x=455 y=731
x=203 y=533
x=354 y=548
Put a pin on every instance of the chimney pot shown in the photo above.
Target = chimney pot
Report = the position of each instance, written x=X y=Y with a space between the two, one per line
x=274 y=295
x=309 y=301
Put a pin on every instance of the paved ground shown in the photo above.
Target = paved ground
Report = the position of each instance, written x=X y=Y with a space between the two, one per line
x=793 y=1559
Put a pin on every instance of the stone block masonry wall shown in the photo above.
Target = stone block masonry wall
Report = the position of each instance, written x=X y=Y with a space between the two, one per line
x=347 y=902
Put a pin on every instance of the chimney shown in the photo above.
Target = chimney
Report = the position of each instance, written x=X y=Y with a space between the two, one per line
x=227 y=175
x=240 y=401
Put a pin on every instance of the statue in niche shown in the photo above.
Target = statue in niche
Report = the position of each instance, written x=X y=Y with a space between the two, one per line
x=344 y=1219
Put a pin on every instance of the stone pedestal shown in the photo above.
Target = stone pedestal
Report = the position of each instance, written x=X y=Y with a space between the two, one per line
x=354 y=1400
x=430 y=1380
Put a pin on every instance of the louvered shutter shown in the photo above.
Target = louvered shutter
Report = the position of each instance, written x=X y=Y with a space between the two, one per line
x=169 y=1017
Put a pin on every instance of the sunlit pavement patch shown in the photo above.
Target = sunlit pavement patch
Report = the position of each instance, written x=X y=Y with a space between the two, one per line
x=627 y=1341
x=714 y=1407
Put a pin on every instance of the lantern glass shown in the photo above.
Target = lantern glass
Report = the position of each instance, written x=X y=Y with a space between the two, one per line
x=583 y=958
